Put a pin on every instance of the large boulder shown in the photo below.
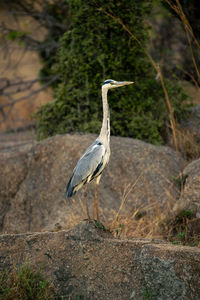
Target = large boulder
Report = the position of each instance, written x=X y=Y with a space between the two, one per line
x=87 y=263
x=33 y=181
x=190 y=195
x=13 y=151
x=192 y=124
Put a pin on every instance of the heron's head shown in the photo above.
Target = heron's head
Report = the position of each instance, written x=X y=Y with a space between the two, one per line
x=111 y=84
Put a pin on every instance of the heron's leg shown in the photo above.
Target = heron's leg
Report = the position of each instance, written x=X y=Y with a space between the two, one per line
x=95 y=207
x=86 y=202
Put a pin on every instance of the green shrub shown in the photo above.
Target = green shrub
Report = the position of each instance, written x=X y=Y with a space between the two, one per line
x=24 y=284
x=96 y=48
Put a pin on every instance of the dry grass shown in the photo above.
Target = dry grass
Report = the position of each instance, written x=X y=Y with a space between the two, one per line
x=188 y=143
x=149 y=220
x=154 y=221
x=179 y=228
x=176 y=6
x=146 y=219
x=183 y=229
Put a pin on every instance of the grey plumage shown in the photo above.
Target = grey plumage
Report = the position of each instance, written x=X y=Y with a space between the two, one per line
x=89 y=166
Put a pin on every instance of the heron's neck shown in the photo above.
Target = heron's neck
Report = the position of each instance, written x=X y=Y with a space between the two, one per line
x=105 y=129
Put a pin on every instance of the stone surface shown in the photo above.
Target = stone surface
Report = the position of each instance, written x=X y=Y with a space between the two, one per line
x=88 y=262
x=34 y=176
x=190 y=196
x=13 y=150
x=192 y=124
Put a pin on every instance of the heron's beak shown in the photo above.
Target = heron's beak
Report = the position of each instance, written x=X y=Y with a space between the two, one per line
x=121 y=83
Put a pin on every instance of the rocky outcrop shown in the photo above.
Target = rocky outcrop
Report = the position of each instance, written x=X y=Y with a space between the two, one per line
x=88 y=262
x=13 y=167
x=190 y=195
x=33 y=180
x=192 y=123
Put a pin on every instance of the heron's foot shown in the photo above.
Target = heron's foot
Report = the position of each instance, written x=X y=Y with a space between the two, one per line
x=97 y=224
x=89 y=220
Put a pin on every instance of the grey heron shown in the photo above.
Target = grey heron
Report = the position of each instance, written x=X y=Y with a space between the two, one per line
x=92 y=163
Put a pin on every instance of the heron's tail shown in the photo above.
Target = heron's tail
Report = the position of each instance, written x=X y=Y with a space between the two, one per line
x=69 y=189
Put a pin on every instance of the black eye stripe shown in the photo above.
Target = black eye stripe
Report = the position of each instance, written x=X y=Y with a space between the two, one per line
x=107 y=81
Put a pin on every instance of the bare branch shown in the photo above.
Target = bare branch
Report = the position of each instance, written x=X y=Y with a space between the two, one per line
x=20 y=86
x=16 y=90
x=44 y=86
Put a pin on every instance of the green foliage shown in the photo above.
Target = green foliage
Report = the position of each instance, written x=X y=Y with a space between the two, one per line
x=99 y=225
x=183 y=228
x=96 y=48
x=15 y=35
x=180 y=180
x=120 y=229
x=24 y=284
x=186 y=213
x=148 y=294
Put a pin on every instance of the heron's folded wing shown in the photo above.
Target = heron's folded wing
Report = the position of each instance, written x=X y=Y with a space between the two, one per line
x=88 y=163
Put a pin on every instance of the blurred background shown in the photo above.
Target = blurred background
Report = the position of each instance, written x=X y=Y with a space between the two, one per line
x=20 y=90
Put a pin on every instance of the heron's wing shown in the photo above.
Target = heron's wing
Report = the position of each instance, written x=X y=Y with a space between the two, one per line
x=87 y=167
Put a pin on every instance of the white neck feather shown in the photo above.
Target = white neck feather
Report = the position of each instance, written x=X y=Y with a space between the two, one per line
x=105 y=129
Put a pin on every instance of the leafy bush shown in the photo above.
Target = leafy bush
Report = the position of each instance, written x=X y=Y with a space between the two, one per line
x=24 y=284
x=96 y=48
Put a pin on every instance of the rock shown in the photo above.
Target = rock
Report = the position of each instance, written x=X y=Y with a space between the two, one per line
x=192 y=124
x=95 y=267
x=16 y=141
x=143 y=174
x=190 y=196
x=89 y=230
x=33 y=182
x=13 y=149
